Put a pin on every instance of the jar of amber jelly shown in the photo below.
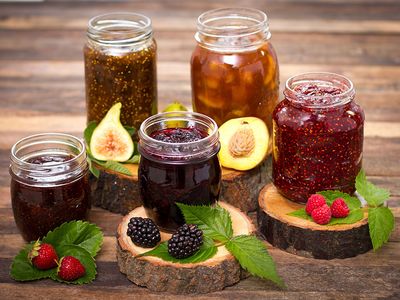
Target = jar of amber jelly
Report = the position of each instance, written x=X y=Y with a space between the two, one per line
x=120 y=66
x=317 y=136
x=234 y=67
x=179 y=163
x=49 y=183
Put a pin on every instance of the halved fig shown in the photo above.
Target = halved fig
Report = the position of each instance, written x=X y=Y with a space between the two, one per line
x=244 y=143
x=110 y=140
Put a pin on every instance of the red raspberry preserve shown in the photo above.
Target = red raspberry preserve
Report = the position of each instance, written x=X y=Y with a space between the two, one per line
x=49 y=183
x=317 y=136
x=179 y=163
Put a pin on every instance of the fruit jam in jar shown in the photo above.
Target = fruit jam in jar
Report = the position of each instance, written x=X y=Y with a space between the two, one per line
x=179 y=163
x=49 y=183
x=317 y=136
x=234 y=67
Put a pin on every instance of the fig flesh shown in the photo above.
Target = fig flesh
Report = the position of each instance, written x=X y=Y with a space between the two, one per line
x=110 y=140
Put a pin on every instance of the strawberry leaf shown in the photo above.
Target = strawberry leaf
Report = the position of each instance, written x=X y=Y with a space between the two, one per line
x=381 y=224
x=374 y=195
x=300 y=213
x=353 y=217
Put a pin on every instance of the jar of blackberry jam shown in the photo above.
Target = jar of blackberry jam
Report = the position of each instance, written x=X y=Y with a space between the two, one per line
x=49 y=183
x=317 y=136
x=179 y=163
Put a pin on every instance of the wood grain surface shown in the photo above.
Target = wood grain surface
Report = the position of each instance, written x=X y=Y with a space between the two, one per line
x=42 y=89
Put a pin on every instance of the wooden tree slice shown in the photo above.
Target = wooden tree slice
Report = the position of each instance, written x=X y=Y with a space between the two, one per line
x=158 y=275
x=119 y=193
x=306 y=238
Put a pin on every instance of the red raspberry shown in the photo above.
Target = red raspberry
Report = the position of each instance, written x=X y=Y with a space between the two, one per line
x=322 y=215
x=339 y=208
x=314 y=202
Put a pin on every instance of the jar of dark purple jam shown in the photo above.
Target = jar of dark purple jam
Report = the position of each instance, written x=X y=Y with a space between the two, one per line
x=49 y=183
x=179 y=163
x=317 y=136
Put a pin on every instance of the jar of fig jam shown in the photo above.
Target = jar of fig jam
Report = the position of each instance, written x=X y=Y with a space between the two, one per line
x=49 y=183
x=234 y=67
x=317 y=136
x=120 y=66
x=179 y=163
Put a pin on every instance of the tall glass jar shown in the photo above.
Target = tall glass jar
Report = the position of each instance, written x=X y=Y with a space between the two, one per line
x=178 y=165
x=317 y=136
x=120 y=66
x=234 y=67
x=49 y=183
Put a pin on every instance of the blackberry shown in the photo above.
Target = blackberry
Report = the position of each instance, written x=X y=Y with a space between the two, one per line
x=143 y=232
x=185 y=241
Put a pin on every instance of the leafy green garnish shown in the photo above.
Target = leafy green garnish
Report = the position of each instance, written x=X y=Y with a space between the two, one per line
x=374 y=195
x=215 y=222
x=206 y=251
x=254 y=257
x=381 y=224
x=354 y=216
x=330 y=196
x=300 y=213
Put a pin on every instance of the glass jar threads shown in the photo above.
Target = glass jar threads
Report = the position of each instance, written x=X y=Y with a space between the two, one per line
x=317 y=136
x=234 y=67
x=179 y=163
x=49 y=183
x=120 y=66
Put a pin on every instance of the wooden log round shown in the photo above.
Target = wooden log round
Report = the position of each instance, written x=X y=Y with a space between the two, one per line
x=158 y=275
x=304 y=237
x=119 y=193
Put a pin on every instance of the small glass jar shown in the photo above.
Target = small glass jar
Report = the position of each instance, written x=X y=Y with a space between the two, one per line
x=317 y=136
x=120 y=66
x=185 y=172
x=234 y=67
x=49 y=183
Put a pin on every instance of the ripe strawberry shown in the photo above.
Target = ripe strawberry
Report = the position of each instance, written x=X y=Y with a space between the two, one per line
x=322 y=215
x=43 y=256
x=339 y=208
x=314 y=202
x=70 y=268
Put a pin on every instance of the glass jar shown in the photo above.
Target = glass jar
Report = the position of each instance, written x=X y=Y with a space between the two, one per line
x=49 y=183
x=120 y=66
x=234 y=66
x=171 y=170
x=317 y=136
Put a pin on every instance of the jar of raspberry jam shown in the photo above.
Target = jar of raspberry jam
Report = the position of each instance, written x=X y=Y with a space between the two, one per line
x=179 y=163
x=317 y=136
x=49 y=183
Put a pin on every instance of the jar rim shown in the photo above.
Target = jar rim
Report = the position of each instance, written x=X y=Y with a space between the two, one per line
x=316 y=101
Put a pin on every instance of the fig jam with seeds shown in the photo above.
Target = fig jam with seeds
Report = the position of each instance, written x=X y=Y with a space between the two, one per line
x=317 y=136
x=178 y=165
x=49 y=183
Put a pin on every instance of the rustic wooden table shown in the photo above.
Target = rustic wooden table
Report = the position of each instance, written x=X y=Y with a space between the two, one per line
x=42 y=89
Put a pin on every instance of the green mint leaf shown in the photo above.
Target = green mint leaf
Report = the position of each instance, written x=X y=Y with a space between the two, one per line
x=79 y=233
x=254 y=257
x=206 y=251
x=374 y=195
x=131 y=130
x=133 y=160
x=300 y=213
x=84 y=257
x=381 y=224
x=353 y=217
x=23 y=270
x=214 y=221
x=330 y=196
x=117 y=167
x=87 y=133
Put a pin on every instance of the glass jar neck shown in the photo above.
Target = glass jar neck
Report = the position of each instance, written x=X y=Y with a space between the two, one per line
x=232 y=29
x=179 y=152
x=44 y=146
x=120 y=29
x=319 y=90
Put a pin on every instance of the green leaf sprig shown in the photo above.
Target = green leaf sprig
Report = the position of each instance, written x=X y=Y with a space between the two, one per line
x=216 y=224
x=380 y=218
x=112 y=165
x=80 y=239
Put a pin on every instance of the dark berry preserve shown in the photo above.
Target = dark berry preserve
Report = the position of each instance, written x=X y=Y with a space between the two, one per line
x=178 y=164
x=49 y=183
x=317 y=136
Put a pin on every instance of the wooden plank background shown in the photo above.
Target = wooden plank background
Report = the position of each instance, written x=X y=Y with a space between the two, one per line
x=42 y=89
